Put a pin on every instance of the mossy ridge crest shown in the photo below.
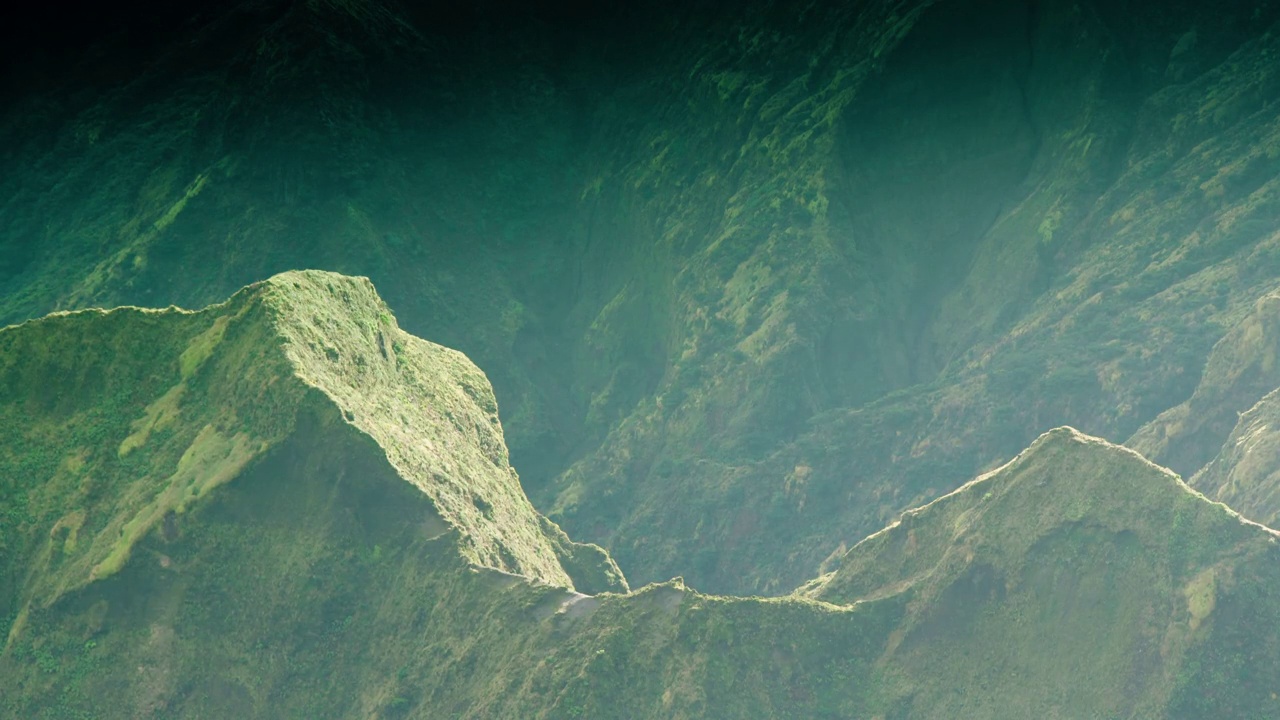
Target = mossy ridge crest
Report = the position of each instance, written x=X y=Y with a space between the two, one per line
x=315 y=588
x=1076 y=544
x=1064 y=478
x=235 y=380
x=257 y=597
x=291 y=555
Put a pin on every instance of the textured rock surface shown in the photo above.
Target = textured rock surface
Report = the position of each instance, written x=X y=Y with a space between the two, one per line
x=1241 y=369
x=748 y=283
x=123 y=418
x=205 y=516
x=1246 y=472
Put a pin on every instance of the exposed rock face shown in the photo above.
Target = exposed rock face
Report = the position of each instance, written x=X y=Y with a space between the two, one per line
x=748 y=283
x=1241 y=369
x=124 y=418
x=283 y=505
x=1246 y=472
x=917 y=331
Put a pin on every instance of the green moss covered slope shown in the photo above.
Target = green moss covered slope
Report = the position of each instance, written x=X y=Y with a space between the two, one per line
x=124 y=418
x=283 y=506
x=1082 y=581
x=1244 y=472
x=747 y=284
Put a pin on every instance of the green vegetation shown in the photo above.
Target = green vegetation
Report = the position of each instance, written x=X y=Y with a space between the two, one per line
x=1079 y=576
x=1244 y=472
x=889 y=243
x=747 y=285
x=319 y=527
x=129 y=416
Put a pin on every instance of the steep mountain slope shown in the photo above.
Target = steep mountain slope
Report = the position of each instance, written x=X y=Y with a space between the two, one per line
x=748 y=282
x=1081 y=580
x=124 y=418
x=283 y=505
x=1129 y=159
x=250 y=138
x=1245 y=473
x=1241 y=369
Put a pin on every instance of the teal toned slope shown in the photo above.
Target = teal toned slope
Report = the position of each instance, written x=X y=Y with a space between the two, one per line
x=283 y=506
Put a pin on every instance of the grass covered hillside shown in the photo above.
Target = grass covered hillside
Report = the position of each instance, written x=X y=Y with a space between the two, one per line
x=284 y=506
x=748 y=282
x=125 y=417
x=1081 y=580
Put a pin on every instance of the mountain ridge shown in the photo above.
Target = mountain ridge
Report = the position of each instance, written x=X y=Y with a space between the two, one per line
x=1078 y=544
x=817 y=266
x=239 y=408
x=325 y=577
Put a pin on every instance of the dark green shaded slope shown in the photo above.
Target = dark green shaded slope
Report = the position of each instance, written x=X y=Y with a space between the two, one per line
x=243 y=139
x=1133 y=231
x=284 y=506
x=747 y=282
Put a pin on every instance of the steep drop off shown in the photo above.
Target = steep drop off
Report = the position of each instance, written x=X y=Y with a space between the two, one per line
x=748 y=282
x=284 y=506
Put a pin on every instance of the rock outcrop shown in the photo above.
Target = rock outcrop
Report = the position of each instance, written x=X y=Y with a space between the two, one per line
x=283 y=505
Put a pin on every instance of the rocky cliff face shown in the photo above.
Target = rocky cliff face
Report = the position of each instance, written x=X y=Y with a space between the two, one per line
x=748 y=283
x=204 y=518
x=350 y=444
